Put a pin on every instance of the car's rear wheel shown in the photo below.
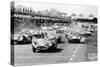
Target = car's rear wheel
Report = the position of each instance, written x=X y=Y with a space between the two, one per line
x=59 y=40
x=54 y=46
x=14 y=42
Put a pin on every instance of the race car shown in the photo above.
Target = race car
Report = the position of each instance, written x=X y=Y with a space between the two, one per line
x=21 y=38
x=16 y=39
x=86 y=33
x=42 y=42
x=54 y=34
x=75 y=39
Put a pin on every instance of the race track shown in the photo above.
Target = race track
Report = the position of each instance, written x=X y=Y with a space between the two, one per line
x=65 y=53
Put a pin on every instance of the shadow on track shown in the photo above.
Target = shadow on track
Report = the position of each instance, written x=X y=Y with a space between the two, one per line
x=51 y=50
x=61 y=42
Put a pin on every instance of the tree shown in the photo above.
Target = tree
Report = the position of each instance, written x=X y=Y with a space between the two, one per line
x=91 y=15
x=56 y=13
x=38 y=13
x=64 y=15
x=81 y=15
x=45 y=13
x=73 y=15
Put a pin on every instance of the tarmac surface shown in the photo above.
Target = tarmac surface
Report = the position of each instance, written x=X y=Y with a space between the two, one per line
x=65 y=53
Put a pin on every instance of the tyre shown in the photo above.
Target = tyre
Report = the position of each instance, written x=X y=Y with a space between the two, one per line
x=74 y=41
x=59 y=40
x=34 y=49
x=54 y=46
x=14 y=42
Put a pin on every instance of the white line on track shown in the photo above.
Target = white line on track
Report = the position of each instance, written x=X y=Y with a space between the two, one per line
x=75 y=53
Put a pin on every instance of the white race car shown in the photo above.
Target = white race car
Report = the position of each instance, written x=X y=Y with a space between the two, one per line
x=41 y=42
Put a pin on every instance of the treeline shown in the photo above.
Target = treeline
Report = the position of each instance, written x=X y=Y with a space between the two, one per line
x=29 y=11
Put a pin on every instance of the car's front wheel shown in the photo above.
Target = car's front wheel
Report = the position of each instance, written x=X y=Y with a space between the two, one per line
x=34 y=49
x=74 y=41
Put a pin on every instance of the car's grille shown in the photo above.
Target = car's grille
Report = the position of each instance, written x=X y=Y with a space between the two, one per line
x=41 y=47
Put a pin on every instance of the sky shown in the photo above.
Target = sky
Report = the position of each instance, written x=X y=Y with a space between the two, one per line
x=69 y=9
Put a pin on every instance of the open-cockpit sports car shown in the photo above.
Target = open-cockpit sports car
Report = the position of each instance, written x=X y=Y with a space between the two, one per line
x=43 y=42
